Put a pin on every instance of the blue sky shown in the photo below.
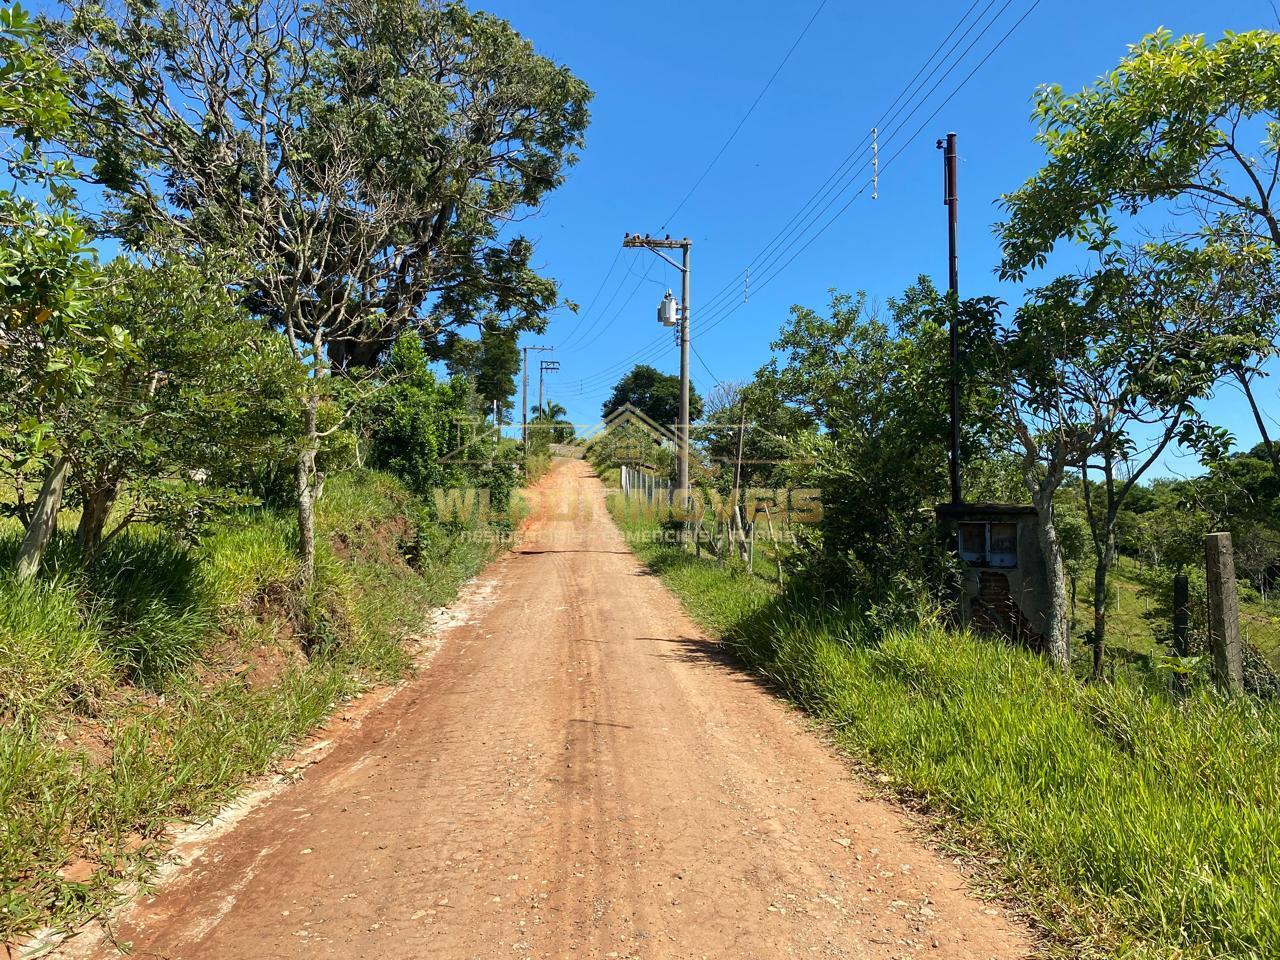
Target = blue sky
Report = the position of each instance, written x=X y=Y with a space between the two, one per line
x=671 y=81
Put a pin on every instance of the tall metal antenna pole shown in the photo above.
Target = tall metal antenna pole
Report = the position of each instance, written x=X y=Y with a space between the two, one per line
x=951 y=198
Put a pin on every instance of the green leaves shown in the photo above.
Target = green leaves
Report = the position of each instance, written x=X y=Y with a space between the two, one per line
x=1178 y=118
x=367 y=156
x=656 y=395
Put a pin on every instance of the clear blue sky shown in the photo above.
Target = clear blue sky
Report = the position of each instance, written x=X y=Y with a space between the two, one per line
x=672 y=79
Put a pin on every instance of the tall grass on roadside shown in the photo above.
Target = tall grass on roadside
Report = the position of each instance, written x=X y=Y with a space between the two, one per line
x=1133 y=825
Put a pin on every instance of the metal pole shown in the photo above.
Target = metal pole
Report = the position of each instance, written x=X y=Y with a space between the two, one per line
x=952 y=200
x=682 y=438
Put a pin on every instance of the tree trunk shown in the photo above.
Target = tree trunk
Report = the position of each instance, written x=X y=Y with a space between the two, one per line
x=1058 y=636
x=1105 y=559
x=44 y=520
x=305 y=477
x=93 y=520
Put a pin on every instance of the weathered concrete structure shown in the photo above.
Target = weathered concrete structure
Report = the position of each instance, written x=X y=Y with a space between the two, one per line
x=1004 y=587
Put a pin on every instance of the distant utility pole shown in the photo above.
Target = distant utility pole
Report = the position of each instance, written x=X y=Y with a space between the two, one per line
x=657 y=245
x=951 y=198
x=524 y=395
x=545 y=367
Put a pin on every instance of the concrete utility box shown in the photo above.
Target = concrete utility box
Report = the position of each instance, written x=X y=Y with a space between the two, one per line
x=1005 y=585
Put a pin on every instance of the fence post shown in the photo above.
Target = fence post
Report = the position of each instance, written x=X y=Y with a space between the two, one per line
x=751 y=549
x=1181 y=624
x=1224 y=613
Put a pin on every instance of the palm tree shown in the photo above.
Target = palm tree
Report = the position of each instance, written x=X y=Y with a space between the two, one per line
x=549 y=412
x=553 y=414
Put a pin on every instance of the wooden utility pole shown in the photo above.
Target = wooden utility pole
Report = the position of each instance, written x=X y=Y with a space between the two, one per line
x=1224 y=613
x=545 y=367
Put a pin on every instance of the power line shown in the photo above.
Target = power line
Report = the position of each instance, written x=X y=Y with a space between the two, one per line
x=726 y=313
x=586 y=312
x=651 y=352
x=751 y=109
x=718 y=308
x=888 y=116
x=705 y=367
x=719 y=153
x=585 y=339
x=833 y=189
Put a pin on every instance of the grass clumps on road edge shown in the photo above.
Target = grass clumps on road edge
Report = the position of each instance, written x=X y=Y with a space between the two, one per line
x=1128 y=824
x=149 y=688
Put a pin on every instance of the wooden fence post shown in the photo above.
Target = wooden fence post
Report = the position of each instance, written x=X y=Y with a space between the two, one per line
x=1224 y=613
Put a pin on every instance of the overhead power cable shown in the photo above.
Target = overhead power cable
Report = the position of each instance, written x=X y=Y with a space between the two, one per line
x=718 y=308
x=746 y=116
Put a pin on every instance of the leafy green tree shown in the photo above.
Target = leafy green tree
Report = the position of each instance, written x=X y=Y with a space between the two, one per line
x=749 y=434
x=48 y=341
x=1100 y=373
x=656 y=395
x=874 y=387
x=491 y=362
x=366 y=157
x=417 y=425
x=203 y=392
x=550 y=418
x=1185 y=127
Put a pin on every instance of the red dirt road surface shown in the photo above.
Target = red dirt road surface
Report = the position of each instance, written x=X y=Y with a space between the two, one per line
x=578 y=772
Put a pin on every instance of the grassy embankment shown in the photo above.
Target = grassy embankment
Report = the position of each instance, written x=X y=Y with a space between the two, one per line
x=1130 y=825
x=149 y=689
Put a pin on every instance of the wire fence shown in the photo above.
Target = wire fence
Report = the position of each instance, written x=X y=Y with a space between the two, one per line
x=641 y=483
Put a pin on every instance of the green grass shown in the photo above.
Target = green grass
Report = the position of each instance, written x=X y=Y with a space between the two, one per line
x=1128 y=824
x=124 y=702
x=1140 y=594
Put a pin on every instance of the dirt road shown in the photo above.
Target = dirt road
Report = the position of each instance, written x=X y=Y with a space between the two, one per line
x=578 y=773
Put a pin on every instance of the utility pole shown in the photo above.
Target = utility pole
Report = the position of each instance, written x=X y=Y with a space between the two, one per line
x=657 y=245
x=545 y=367
x=524 y=396
x=951 y=198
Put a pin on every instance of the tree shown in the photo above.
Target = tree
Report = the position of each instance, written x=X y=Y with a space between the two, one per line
x=753 y=420
x=47 y=340
x=416 y=421
x=656 y=395
x=1182 y=124
x=1100 y=372
x=550 y=417
x=491 y=362
x=872 y=385
x=364 y=156
x=204 y=391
